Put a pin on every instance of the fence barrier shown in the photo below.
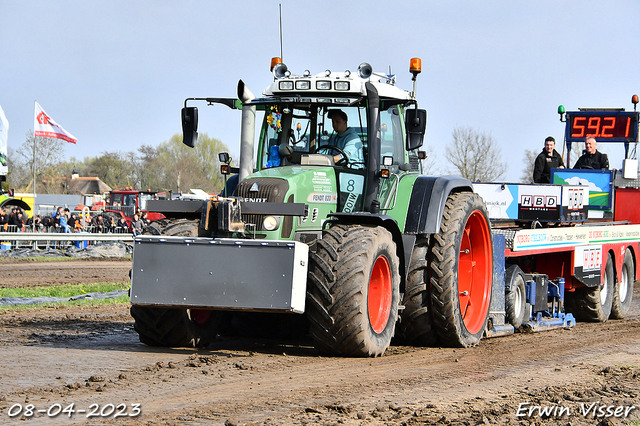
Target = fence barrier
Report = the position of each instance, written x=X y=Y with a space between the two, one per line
x=11 y=238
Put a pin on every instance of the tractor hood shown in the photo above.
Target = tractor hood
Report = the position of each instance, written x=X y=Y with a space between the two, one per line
x=290 y=184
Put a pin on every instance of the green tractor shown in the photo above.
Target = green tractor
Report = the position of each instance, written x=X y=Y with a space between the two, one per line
x=331 y=230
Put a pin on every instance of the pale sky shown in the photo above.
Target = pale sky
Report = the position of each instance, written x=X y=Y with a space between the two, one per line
x=115 y=73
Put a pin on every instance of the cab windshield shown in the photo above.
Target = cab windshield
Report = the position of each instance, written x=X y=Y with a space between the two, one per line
x=291 y=130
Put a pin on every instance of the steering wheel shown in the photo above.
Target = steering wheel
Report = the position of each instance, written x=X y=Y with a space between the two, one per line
x=344 y=161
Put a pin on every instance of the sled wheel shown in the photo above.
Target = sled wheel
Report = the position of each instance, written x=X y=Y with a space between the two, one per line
x=516 y=306
x=594 y=304
x=175 y=327
x=462 y=271
x=623 y=292
x=416 y=324
x=353 y=291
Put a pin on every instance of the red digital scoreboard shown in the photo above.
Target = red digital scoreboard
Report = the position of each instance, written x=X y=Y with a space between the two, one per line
x=605 y=126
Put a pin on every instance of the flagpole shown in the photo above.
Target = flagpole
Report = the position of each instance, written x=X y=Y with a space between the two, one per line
x=33 y=212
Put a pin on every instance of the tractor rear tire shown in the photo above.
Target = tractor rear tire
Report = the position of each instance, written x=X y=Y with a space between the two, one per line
x=416 y=323
x=169 y=326
x=623 y=292
x=353 y=291
x=462 y=271
x=516 y=306
x=593 y=304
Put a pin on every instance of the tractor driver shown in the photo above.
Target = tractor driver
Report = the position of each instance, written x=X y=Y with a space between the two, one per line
x=346 y=139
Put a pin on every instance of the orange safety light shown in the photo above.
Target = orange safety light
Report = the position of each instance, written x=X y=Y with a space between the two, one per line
x=634 y=99
x=275 y=61
x=384 y=173
x=415 y=66
x=224 y=169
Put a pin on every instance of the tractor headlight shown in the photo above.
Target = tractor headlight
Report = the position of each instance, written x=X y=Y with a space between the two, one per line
x=303 y=85
x=342 y=85
x=270 y=223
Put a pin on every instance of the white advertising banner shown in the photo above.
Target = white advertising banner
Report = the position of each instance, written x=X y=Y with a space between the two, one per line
x=4 y=135
x=44 y=126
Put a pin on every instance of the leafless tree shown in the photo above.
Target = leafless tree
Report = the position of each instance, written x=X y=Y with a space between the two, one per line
x=41 y=154
x=475 y=156
x=528 y=162
x=429 y=165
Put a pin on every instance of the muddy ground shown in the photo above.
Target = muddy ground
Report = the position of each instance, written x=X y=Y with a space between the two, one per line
x=90 y=357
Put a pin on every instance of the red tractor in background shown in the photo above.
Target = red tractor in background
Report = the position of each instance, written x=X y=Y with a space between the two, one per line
x=125 y=203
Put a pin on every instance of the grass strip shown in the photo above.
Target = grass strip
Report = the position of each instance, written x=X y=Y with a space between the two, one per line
x=68 y=290
x=81 y=302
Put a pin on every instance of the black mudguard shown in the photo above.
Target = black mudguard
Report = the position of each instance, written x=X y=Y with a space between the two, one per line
x=428 y=198
x=15 y=202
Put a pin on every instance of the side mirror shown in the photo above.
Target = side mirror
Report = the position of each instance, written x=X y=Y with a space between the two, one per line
x=189 y=126
x=223 y=157
x=416 y=124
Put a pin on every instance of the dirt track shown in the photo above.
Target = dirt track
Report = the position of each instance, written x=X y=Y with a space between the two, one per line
x=90 y=355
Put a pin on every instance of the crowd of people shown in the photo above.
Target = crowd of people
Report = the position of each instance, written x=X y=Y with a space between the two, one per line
x=65 y=221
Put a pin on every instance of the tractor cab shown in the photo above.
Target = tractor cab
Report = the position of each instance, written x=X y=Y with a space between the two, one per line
x=334 y=142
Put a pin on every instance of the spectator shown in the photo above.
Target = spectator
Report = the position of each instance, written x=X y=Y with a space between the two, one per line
x=4 y=220
x=123 y=226
x=75 y=223
x=63 y=224
x=98 y=224
x=145 y=220
x=548 y=159
x=45 y=223
x=111 y=225
x=55 y=219
x=17 y=220
x=592 y=158
x=137 y=225
x=35 y=223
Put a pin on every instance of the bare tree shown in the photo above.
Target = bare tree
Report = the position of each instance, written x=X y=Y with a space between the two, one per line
x=475 y=156
x=18 y=177
x=41 y=154
x=429 y=165
x=528 y=161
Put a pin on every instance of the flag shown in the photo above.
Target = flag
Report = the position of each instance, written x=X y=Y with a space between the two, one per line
x=4 y=134
x=44 y=126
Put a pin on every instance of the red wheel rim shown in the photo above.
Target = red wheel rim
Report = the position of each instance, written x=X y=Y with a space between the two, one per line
x=475 y=273
x=379 y=297
x=200 y=316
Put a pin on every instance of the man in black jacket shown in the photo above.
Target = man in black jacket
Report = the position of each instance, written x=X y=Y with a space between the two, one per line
x=592 y=158
x=548 y=159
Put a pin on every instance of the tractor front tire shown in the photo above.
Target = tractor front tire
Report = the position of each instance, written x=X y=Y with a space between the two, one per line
x=174 y=327
x=462 y=271
x=353 y=291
